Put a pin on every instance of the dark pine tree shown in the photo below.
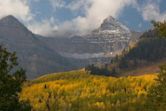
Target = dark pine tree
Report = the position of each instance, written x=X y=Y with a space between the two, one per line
x=157 y=94
x=11 y=80
x=156 y=100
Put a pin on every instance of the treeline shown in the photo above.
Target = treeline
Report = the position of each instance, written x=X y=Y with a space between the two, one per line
x=150 y=49
x=147 y=51
x=98 y=70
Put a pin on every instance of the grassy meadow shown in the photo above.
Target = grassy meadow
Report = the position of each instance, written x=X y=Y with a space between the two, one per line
x=80 y=91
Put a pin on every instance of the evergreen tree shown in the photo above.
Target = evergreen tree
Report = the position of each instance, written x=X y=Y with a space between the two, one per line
x=160 y=27
x=156 y=100
x=157 y=94
x=11 y=80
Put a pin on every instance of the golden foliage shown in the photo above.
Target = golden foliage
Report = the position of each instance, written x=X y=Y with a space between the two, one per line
x=79 y=91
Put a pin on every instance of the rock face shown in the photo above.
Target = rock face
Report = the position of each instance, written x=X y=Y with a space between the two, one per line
x=106 y=41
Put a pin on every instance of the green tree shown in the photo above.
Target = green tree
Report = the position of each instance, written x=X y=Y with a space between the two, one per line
x=157 y=94
x=156 y=100
x=160 y=27
x=11 y=80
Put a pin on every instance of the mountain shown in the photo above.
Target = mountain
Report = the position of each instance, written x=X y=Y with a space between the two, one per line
x=105 y=42
x=34 y=55
x=40 y=55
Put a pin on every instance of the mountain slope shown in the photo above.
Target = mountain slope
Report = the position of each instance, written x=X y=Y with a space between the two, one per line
x=149 y=49
x=33 y=54
x=40 y=55
x=105 y=42
x=146 y=56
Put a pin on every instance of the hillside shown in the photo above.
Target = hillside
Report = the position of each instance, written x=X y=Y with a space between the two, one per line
x=143 y=57
x=40 y=55
x=80 y=91
x=33 y=54
x=149 y=50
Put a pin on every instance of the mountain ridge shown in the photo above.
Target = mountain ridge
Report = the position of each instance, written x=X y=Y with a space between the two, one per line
x=33 y=54
x=106 y=41
x=13 y=22
x=40 y=55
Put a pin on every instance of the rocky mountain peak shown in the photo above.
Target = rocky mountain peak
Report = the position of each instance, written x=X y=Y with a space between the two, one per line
x=11 y=27
x=109 y=20
x=11 y=21
x=111 y=23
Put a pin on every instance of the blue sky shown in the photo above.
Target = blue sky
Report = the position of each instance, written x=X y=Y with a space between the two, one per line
x=134 y=20
x=48 y=17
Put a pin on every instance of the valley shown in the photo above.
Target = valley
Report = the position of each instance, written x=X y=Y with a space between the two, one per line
x=82 y=55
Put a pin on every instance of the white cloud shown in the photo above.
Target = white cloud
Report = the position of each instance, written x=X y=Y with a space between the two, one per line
x=21 y=10
x=95 y=12
x=18 y=8
x=92 y=14
x=151 y=11
x=79 y=6
x=45 y=27
x=99 y=10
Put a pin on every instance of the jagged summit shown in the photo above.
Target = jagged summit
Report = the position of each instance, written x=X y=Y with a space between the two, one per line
x=11 y=21
x=109 y=20
x=112 y=27
x=107 y=41
x=111 y=23
x=11 y=26
x=9 y=17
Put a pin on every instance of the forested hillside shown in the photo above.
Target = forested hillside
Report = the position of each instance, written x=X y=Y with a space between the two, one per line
x=80 y=91
x=144 y=57
x=150 y=49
